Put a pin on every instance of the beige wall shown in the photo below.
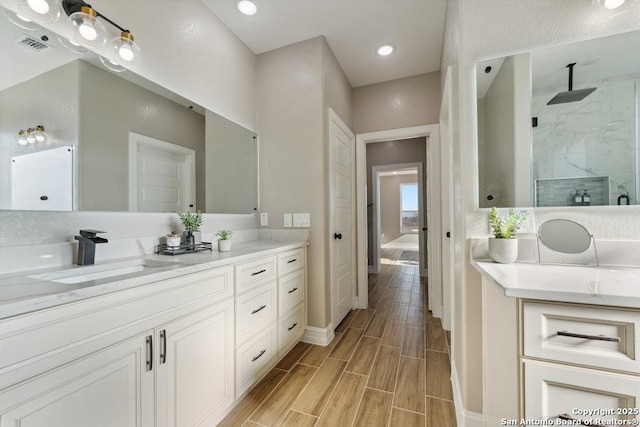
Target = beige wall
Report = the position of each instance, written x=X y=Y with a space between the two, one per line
x=110 y=108
x=488 y=29
x=50 y=100
x=390 y=205
x=296 y=85
x=412 y=101
x=499 y=132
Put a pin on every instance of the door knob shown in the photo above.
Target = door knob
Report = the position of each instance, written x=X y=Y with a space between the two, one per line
x=424 y=228
x=448 y=234
x=337 y=236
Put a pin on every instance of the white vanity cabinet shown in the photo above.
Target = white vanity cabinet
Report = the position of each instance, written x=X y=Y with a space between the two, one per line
x=577 y=356
x=156 y=355
x=548 y=360
x=176 y=351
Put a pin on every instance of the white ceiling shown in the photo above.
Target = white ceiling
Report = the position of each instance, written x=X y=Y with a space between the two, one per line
x=354 y=30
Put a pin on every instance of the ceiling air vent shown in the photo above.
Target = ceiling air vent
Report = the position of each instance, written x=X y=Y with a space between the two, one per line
x=34 y=44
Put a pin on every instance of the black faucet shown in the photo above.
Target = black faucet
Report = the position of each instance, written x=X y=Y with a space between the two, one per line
x=624 y=197
x=87 y=246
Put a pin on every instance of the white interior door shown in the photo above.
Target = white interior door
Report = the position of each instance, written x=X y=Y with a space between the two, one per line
x=446 y=164
x=162 y=175
x=342 y=222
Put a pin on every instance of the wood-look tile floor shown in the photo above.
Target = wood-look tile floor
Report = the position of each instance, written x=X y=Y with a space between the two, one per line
x=387 y=366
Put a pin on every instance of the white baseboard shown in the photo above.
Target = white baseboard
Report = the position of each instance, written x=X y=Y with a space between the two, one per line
x=465 y=418
x=318 y=336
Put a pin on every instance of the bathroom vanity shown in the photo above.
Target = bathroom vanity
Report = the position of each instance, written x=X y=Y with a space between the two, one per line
x=559 y=342
x=176 y=343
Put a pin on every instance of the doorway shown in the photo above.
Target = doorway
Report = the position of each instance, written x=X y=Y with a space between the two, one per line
x=398 y=216
x=431 y=203
x=162 y=176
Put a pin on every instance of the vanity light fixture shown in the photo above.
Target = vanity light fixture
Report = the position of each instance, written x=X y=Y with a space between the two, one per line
x=32 y=135
x=247 y=7
x=386 y=50
x=91 y=32
x=613 y=4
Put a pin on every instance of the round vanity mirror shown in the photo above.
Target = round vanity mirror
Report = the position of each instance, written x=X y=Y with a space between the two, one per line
x=563 y=235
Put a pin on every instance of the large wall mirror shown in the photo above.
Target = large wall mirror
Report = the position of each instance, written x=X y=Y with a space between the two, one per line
x=113 y=141
x=541 y=144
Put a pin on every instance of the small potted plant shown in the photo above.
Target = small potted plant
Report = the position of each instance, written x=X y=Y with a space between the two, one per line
x=224 y=240
x=503 y=248
x=191 y=222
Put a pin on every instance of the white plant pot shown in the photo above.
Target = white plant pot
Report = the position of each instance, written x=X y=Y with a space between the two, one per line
x=504 y=251
x=224 y=245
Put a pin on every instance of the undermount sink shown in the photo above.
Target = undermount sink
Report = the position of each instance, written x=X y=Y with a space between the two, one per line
x=107 y=271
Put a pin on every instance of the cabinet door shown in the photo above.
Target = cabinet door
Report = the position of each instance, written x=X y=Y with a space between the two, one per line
x=553 y=392
x=195 y=367
x=112 y=387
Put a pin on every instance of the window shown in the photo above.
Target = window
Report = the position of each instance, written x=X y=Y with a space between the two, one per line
x=409 y=214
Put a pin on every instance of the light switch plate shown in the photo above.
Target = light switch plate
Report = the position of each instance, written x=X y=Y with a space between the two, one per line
x=287 y=220
x=529 y=226
x=264 y=219
x=301 y=220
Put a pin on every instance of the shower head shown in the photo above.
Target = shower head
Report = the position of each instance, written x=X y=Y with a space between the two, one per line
x=571 y=95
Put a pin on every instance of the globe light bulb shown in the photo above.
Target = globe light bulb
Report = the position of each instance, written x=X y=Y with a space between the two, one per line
x=39 y=6
x=125 y=52
x=87 y=31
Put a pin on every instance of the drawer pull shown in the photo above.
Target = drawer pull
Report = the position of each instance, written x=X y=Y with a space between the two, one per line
x=149 y=342
x=292 y=260
x=258 y=272
x=567 y=417
x=163 y=346
x=258 y=309
x=292 y=326
x=588 y=337
x=292 y=290
x=259 y=356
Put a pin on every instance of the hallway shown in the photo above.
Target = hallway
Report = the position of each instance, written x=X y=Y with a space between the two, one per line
x=387 y=366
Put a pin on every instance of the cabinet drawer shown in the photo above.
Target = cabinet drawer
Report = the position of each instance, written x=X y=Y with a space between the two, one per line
x=290 y=261
x=254 y=358
x=291 y=327
x=290 y=291
x=253 y=273
x=254 y=310
x=552 y=391
x=586 y=335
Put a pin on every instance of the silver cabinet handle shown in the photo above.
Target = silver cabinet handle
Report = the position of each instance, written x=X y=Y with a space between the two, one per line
x=163 y=346
x=588 y=337
x=292 y=290
x=259 y=309
x=292 y=326
x=258 y=272
x=149 y=342
x=567 y=417
x=259 y=356
x=292 y=260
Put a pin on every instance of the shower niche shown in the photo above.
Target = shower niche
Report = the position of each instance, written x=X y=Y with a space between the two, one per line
x=533 y=152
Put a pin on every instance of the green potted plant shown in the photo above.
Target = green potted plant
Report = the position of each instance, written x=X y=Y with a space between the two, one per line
x=503 y=247
x=224 y=240
x=191 y=222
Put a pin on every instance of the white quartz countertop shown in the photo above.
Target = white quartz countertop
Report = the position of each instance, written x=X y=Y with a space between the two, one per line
x=23 y=293
x=612 y=286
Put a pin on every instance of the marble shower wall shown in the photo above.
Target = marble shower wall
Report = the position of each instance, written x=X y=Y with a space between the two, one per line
x=595 y=137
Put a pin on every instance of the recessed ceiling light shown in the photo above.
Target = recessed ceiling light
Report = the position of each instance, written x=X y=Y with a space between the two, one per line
x=247 y=7
x=613 y=4
x=385 y=50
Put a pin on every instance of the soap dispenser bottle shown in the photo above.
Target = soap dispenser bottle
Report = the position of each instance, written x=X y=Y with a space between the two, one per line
x=586 y=198
x=578 y=198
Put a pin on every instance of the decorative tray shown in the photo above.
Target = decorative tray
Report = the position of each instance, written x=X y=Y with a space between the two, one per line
x=182 y=249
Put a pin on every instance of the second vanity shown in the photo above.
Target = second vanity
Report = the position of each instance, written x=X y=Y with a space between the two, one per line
x=163 y=343
x=560 y=343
